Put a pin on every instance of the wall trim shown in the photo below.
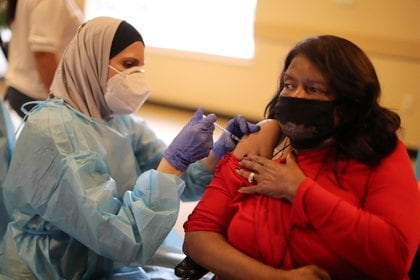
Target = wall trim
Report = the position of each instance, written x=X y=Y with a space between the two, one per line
x=380 y=45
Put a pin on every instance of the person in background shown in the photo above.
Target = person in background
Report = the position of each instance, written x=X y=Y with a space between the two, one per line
x=337 y=190
x=40 y=29
x=88 y=193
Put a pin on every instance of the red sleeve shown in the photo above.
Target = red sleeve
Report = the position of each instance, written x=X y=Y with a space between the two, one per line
x=212 y=212
x=383 y=236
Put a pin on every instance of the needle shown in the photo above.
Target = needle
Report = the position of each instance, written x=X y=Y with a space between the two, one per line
x=231 y=135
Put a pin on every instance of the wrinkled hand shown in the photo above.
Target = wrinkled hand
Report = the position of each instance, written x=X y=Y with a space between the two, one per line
x=278 y=180
x=193 y=142
x=310 y=272
x=238 y=126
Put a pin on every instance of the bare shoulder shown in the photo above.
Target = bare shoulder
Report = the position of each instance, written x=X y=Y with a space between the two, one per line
x=262 y=142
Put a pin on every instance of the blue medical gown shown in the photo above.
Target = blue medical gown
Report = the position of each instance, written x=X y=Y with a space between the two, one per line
x=81 y=194
x=7 y=144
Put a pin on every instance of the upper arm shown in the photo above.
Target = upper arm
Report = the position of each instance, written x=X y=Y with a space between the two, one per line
x=262 y=142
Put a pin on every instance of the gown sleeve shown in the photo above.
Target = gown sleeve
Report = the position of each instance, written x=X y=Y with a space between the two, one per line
x=148 y=151
x=197 y=177
x=58 y=182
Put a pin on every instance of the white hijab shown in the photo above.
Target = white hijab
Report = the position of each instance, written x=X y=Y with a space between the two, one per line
x=82 y=73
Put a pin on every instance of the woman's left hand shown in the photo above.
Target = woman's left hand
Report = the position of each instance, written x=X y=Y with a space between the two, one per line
x=278 y=180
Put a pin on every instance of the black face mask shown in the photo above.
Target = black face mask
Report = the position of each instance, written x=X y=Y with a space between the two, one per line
x=306 y=122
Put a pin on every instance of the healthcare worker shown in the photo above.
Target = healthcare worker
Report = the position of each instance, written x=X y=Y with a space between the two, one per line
x=81 y=192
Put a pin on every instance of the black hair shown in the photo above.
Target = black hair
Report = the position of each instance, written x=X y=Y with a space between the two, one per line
x=10 y=11
x=366 y=131
x=124 y=36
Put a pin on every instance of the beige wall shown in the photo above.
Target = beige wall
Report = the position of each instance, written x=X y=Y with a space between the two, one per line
x=80 y=3
x=388 y=30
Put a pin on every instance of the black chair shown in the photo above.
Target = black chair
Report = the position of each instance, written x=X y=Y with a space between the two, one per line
x=187 y=269
x=4 y=47
x=415 y=267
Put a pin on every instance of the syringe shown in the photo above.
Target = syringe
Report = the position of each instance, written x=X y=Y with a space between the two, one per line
x=231 y=135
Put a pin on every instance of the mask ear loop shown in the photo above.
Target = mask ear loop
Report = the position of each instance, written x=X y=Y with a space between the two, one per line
x=140 y=70
x=26 y=112
x=116 y=70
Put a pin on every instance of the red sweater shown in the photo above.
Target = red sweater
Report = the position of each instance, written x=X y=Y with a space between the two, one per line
x=367 y=228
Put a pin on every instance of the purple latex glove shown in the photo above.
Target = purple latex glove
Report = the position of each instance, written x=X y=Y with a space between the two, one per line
x=237 y=126
x=193 y=142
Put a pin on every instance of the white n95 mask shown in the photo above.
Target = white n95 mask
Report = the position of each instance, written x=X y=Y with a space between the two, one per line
x=127 y=90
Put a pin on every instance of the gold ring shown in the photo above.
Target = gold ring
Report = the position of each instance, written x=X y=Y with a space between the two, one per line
x=251 y=177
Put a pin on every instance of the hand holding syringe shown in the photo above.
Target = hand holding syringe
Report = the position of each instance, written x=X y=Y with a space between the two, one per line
x=231 y=135
x=195 y=140
x=237 y=127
